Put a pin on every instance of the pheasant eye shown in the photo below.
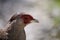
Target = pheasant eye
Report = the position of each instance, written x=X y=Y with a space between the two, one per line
x=25 y=18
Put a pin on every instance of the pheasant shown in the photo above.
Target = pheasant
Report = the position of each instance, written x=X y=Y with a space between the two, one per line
x=17 y=23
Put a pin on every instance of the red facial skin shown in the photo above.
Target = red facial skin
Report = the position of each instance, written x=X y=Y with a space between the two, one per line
x=25 y=17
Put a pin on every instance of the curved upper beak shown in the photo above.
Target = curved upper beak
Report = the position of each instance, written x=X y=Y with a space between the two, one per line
x=35 y=20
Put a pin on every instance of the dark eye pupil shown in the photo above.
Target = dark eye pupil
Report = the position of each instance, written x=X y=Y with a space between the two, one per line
x=26 y=18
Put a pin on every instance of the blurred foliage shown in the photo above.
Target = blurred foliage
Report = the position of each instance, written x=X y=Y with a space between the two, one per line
x=57 y=25
x=57 y=20
x=58 y=34
x=57 y=2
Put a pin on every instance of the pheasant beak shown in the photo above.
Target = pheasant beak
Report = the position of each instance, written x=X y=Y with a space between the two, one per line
x=35 y=20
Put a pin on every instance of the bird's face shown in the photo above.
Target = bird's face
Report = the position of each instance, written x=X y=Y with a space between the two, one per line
x=25 y=17
x=28 y=19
